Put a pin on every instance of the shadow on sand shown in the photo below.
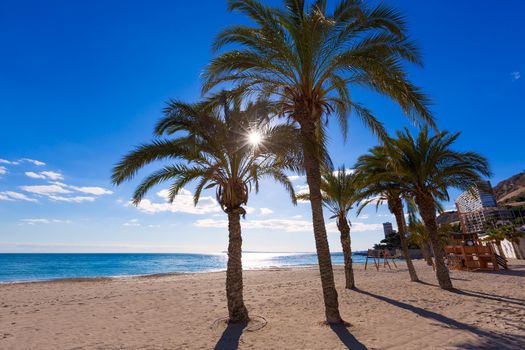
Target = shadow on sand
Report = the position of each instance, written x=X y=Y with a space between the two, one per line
x=346 y=337
x=474 y=294
x=231 y=336
x=489 y=339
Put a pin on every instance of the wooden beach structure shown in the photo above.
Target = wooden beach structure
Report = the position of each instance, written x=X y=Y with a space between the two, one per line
x=376 y=255
x=468 y=252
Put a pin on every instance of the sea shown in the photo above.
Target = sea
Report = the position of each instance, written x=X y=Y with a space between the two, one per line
x=16 y=267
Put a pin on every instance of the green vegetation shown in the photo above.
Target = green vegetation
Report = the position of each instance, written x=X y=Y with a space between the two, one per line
x=339 y=192
x=426 y=166
x=210 y=142
x=393 y=241
x=300 y=63
x=307 y=59
x=381 y=183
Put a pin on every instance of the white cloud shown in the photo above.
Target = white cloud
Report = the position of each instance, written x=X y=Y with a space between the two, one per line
x=183 y=203
x=33 y=161
x=51 y=175
x=43 y=221
x=271 y=224
x=132 y=222
x=57 y=190
x=97 y=191
x=347 y=171
x=11 y=195
x=515 y=76
x=364 y=216
x=266 y=211
x=285 y=225
x=45 y=190
x=3 y=170
x=295 y=177
x=249 y=210
x=362 y=227
x=34 y=175
x=5 y=161
x=73 y=199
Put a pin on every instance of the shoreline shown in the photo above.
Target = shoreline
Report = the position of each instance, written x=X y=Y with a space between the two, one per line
x=161 y=274
x=155 y=275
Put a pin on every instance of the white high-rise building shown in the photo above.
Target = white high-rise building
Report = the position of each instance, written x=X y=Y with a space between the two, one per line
x=477 y=206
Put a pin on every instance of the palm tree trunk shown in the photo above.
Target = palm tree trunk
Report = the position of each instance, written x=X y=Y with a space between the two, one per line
x=427 y=210
x=427 y=254
x=396 y=206
x=313 y=178
x=346 y=243
x=236 y=309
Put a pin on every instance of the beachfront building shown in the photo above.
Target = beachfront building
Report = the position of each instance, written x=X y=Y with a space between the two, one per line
x=388 y=229
x=477 y=208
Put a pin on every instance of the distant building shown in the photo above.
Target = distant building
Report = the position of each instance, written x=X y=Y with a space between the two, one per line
x=388 y=229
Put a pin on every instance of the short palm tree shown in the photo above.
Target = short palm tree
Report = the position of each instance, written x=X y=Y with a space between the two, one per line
x=211 y=144
x=496 y=235
x=419 y=236
x=380 y=183
x=514 y=236
x=306 y=59
x=339 y=193
x=428 y=167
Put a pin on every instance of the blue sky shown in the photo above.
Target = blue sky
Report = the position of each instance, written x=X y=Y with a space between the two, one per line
x=81 y=82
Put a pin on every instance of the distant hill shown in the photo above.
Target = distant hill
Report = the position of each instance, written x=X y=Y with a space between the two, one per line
x=512 y=190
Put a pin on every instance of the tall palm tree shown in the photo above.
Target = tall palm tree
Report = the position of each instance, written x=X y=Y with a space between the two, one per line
x=380 y=183
x=306 y=59
x=427 y=167
x=211 y=143
x=339 y=194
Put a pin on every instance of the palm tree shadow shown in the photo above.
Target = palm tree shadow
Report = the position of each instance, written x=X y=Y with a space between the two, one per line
x=499 y=298
x=490 y=338
x=347 y=338
x=231 y=336
x=481 y=295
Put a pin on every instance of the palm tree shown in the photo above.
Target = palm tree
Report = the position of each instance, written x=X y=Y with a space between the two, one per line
x=339 y=195
x=427 y=167
x=380 y=183
x=514 y=236
x=306 y=59
x=419 y=236
x=496 y=235
x=210 y=141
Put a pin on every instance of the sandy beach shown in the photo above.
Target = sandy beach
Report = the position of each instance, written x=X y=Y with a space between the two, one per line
x=181 y=312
